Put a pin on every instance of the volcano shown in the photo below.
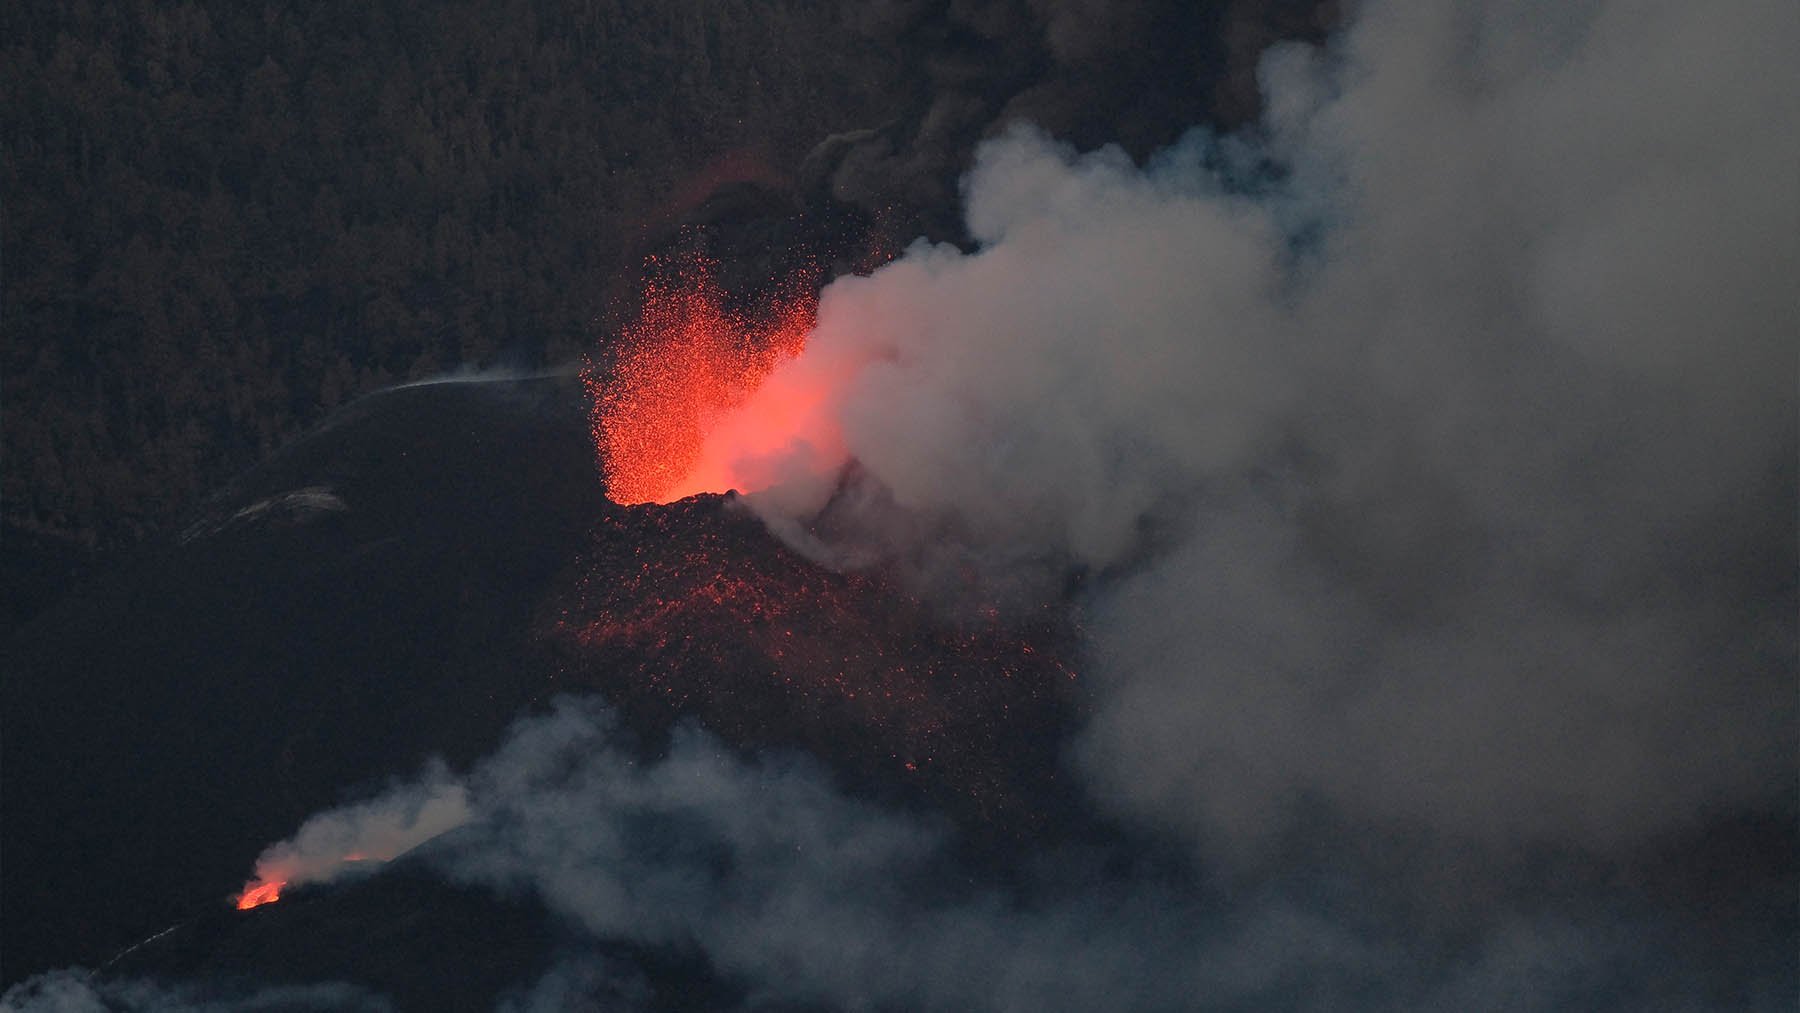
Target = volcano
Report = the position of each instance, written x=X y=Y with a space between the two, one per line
x=1055 y=547
x=401 y=584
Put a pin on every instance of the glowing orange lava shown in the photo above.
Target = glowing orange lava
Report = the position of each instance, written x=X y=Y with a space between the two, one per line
x=687 y=364
x=258 y=894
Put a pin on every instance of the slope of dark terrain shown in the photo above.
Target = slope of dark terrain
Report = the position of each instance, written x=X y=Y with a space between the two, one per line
x=349 y=608
x=404 y=582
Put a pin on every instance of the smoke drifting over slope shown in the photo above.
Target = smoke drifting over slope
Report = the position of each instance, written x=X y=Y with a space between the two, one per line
x=797 y=893
x=378 y=830
x=1439 y=435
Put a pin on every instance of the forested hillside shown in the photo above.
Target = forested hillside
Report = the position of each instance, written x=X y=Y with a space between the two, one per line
x=218 y=220
x=221 y=220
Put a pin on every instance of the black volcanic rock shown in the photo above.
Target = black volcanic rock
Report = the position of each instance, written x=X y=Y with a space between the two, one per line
x=411 y=939
x=351 y=607
x=403 y=935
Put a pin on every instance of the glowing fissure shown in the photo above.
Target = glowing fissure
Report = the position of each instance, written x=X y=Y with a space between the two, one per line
x=667 y=416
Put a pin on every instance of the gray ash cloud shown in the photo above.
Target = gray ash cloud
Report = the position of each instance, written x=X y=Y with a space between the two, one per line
x=1430 y=447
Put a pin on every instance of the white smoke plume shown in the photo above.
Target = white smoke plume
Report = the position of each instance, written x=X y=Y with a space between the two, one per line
x=1435 y=441
x=377 y=830
x=797 y=893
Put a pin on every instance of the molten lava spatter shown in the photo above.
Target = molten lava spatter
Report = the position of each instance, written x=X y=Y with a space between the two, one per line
x=258 y=893
x=693 y=610
x=684 y=365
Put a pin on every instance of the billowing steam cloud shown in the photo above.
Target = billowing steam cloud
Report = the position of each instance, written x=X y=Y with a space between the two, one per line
x=1439 y=438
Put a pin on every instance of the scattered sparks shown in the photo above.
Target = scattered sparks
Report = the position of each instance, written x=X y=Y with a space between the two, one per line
x=694 y=610
x=686 y=365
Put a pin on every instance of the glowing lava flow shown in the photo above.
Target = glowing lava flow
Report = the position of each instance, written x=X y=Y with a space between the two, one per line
x=684 y=369
x=257 y=894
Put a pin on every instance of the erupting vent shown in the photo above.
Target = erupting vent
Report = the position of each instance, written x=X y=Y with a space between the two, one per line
x=693 y=609
x=684 y=366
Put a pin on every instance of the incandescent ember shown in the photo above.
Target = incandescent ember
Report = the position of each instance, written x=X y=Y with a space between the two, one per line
x=690 y=360
x=695 y=609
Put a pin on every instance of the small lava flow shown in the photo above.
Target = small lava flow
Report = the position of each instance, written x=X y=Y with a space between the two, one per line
x=258 y=893
x=695 y=609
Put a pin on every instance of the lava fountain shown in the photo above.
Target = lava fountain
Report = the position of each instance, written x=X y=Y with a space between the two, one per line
x=669 y=416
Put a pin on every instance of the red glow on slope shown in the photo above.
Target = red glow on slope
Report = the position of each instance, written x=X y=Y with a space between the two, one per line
x=684 y=367
x=256 y=894
x=695 y=611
